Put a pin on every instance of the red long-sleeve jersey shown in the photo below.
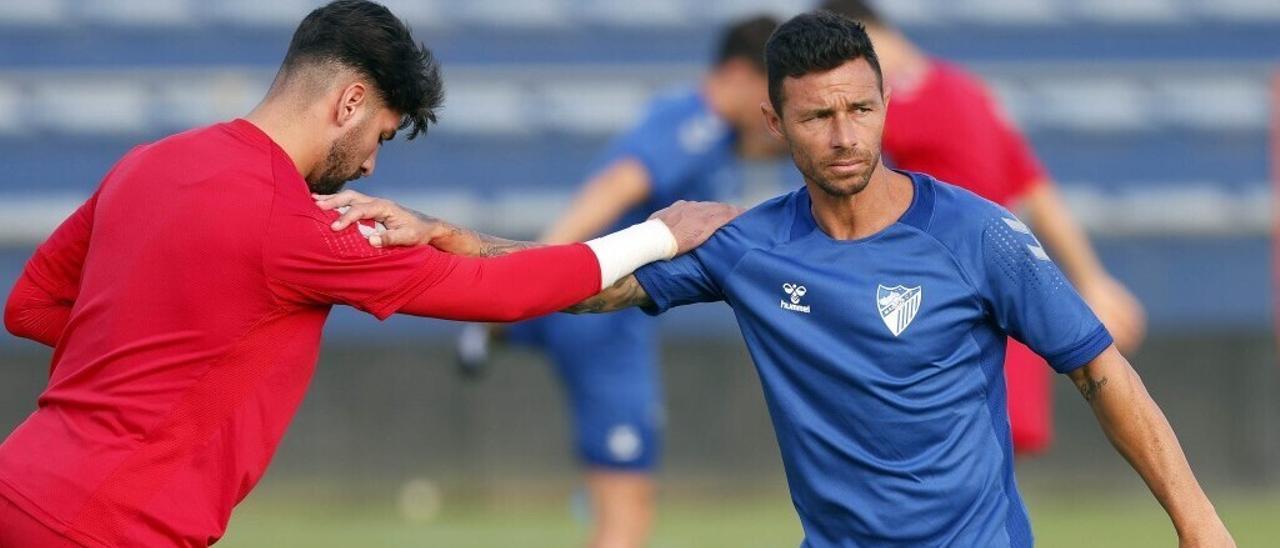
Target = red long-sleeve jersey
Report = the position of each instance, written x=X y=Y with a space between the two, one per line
x=185 y=301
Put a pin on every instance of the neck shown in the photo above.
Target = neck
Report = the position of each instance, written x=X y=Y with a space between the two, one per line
x=881 y=203
x=286 y=126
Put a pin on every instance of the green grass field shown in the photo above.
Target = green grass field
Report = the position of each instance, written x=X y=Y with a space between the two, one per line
x=1097 y=521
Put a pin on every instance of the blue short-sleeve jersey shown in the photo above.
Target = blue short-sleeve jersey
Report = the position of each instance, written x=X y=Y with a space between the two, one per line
x=687 y=150
x=881 y=358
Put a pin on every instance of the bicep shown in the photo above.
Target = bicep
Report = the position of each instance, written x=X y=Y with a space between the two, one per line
x=308 y=263
x=680 y=281
x=1031 y=299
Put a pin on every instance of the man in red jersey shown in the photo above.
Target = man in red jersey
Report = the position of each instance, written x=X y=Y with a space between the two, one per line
x=943 y=121
x=185 y=299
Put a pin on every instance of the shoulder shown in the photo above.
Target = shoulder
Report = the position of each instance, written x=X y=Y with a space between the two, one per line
x=765 y=225
x=960 y=217
x=684 y=117
x=957 y=79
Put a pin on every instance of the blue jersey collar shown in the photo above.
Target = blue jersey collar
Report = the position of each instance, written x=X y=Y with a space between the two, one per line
x=917 y=214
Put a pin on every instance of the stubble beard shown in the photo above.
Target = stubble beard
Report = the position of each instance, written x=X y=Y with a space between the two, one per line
x=836 y=190
x=340 y=166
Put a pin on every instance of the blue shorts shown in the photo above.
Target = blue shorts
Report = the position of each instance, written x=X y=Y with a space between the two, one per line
x=608 y=364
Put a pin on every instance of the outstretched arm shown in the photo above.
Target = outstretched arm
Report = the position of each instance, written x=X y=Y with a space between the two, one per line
x=692 y=223
x=1139 y=431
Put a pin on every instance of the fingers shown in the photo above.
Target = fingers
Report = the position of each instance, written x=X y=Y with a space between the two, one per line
x=373 y=209
x=393 y=238
x=341 y=199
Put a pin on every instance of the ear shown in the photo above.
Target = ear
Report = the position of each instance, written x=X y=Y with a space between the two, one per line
x=772 y=120
x=888 y=90
x=351 y=101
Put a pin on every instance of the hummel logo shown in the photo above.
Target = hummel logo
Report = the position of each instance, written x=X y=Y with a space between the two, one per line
x=796 y=292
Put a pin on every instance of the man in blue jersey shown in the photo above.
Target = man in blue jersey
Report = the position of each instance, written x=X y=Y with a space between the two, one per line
x=875 y=305
x=687 y=146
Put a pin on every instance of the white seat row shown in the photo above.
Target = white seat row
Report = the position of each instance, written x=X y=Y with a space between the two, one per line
x=490 y=102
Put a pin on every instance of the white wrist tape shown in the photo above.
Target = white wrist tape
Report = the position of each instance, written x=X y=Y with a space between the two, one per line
x=624 y=251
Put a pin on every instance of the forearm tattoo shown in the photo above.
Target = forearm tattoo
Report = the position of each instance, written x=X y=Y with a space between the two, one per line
x=484 y=244
x=493 y=246
x=626 y=293
x=1090 y=387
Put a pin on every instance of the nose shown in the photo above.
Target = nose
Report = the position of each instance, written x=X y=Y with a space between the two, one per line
x=842 y=132
x=366 y=169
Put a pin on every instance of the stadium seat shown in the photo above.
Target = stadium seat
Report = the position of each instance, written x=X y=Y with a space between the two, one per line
x=1007 y=12
x=601 y=108
x=654 y=13
x=1093 y=105
x=283 y=14
x=137 y=13
x=1129 y=11
x=33 y=13
x=487 y=107
x=196 y=101
x=11 y=118
x=92 y=106
x=1233 y=104
x=1252 y=11
x=544 y=14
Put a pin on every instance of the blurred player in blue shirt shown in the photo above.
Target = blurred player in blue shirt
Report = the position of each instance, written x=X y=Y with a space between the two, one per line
x=875 y=304
x=687 y=146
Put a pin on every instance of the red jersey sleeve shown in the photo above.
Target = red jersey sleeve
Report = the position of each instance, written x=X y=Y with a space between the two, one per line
x=40 y=304
x=310 y=263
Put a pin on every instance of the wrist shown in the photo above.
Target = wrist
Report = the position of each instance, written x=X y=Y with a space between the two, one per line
x=621 y=252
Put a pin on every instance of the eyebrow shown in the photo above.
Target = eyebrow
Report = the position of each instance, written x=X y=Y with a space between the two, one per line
x=829 y=110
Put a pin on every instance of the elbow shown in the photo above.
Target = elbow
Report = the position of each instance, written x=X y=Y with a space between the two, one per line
x=518 y=314
x=520 y=311
x=13 y=313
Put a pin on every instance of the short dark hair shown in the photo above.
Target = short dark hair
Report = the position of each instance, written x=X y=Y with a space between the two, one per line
x=858 y=10
x=367 y=37
x=811 y=42
x=745 y=39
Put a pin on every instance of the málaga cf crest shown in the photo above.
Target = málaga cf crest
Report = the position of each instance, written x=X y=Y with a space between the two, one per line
x=898 y=306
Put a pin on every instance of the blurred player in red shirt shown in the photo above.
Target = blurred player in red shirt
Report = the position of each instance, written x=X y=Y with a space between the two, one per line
x=934 y=127
x=185 y=299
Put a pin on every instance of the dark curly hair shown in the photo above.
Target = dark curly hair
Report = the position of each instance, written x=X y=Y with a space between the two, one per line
x=367 y=37
x=811 y=42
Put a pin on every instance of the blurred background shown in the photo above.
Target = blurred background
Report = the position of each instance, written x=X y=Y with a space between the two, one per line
x=1154 y=115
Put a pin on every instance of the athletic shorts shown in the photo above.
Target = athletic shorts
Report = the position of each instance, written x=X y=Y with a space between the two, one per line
x=608 y=366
